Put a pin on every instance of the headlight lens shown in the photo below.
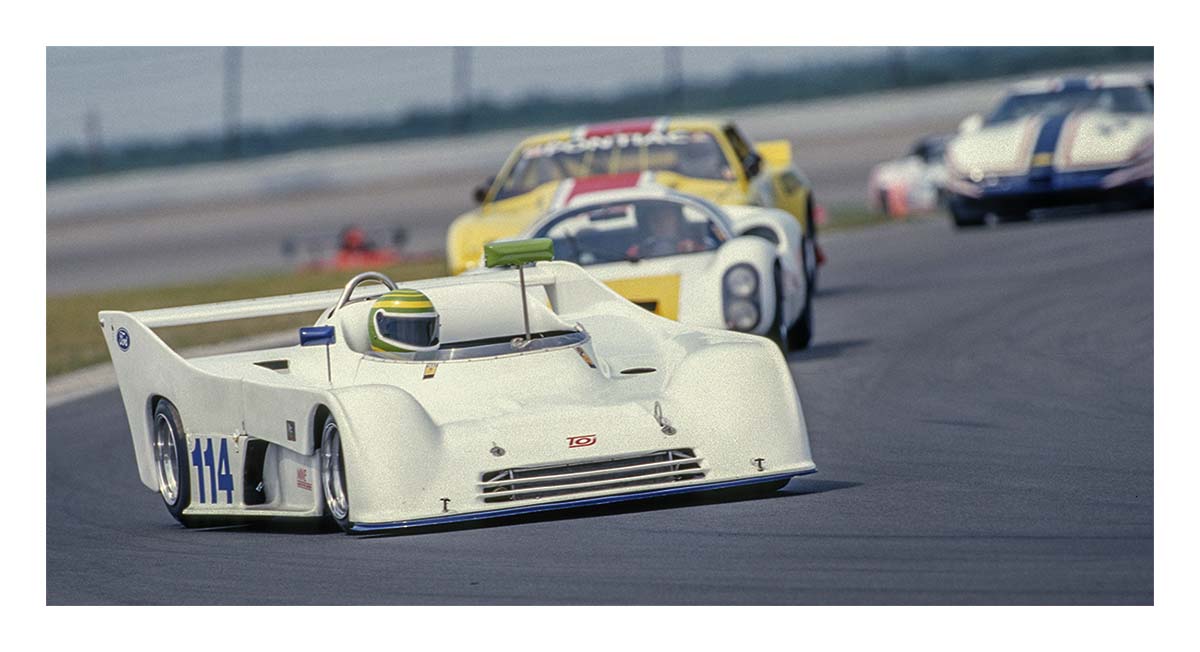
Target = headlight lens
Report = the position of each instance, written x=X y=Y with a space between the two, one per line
x=741 y=281
x=741 y=315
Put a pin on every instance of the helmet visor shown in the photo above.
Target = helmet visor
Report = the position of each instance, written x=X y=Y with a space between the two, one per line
x=407 y=331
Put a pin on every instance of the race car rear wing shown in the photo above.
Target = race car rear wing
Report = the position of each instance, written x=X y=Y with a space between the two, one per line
x=290 y=304
x=775 y=153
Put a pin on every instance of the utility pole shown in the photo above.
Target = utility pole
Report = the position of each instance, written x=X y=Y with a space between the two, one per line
x=233 y=101
x=461 y=111
x=94 y=140
x=673 y=78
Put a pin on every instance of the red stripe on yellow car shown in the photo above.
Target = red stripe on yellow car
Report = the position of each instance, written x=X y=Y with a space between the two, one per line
x=661 y=291
x=638 y=126
x=584 y=185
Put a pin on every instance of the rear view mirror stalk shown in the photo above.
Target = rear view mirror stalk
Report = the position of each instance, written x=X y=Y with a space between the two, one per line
x=519 y=253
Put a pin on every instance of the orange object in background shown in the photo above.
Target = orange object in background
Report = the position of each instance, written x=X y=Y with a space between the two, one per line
x=897 y=204
x=356 y=250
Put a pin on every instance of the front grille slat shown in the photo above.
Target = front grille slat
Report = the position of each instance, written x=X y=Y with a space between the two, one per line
x=583 y=474
x=529 y=483
x=578 y=486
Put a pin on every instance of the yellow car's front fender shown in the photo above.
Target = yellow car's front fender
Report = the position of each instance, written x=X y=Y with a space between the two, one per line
x=493 y=221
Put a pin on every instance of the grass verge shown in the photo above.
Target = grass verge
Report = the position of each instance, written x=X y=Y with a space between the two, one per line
x=74 y=339
x=849 y=217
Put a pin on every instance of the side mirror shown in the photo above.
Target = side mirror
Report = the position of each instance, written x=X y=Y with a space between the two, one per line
x=481 y=191
x=753 y=165
x=971 y=124
x=316 y=335
x=518 y=253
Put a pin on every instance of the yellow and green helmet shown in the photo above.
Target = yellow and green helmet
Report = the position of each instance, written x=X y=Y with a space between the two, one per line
x=403 y=321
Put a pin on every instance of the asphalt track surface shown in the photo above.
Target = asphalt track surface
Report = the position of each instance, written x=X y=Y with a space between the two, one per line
x=980 y=406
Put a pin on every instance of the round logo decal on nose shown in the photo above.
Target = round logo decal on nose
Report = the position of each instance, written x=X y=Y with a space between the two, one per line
x=123 y=339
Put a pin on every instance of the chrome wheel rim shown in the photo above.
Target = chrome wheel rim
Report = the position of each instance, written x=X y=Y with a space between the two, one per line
x=165 y=459
x=333 y=472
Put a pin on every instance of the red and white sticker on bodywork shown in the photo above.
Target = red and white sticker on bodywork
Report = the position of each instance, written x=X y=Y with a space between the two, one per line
x=302 y=480
x=580 y=441
x=635 y=126
x=573 y=188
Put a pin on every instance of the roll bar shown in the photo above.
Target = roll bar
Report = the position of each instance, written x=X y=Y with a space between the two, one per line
x=359 y=280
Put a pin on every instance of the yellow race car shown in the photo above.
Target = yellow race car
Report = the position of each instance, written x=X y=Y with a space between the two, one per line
x=709 y=158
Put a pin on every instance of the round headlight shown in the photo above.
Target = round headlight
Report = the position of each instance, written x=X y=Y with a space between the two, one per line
x=741 y=315
x=741 y=281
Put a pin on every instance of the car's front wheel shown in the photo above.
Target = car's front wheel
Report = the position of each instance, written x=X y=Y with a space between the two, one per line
x=800 y=333
x=966 y=215
x=333 y=475
x=171 y=463
x=778 y=332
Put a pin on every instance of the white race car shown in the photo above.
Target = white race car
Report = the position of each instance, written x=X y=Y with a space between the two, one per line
x=910 y=185
x=452 y=400
x=1056 y=142
x=680 y=256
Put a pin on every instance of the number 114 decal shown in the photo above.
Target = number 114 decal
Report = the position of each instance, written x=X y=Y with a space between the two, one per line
x=219 y=479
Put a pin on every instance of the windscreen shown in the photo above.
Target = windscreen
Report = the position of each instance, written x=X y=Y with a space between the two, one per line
x=1119 y=99
x=632 y=230
x=694 y=154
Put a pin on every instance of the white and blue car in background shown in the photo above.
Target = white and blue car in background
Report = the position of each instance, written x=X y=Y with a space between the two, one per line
x=1055 y=142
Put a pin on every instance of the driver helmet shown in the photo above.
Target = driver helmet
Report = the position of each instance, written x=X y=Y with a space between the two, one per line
x=662 y=218
x=403 y=321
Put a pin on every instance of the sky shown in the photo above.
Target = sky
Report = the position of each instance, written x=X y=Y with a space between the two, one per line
x=168 y=92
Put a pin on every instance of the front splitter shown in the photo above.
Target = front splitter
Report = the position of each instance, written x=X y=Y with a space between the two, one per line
x=364 y=528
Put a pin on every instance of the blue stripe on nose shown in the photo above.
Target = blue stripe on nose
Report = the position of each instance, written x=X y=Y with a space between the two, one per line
x=1047 y=140
x=1041 y=164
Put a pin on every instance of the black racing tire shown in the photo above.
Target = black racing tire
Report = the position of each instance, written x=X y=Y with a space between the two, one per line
x=1147 y=200
x=810 y=232
x=966 y=216
x=778 y=332
x=883 y=204
x=800 y=333
x=333 y=477
x=172 y=466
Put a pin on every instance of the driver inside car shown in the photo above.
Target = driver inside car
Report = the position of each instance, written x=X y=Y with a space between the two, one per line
x=404 y=321
x=663 y=227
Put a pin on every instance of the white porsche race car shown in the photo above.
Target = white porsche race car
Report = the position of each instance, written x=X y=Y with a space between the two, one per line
x=452 y=400
x=1056 y=142
x=910 y=185
x=741 y=268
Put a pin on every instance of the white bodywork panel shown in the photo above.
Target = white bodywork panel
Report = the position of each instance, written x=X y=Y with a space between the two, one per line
x=917 y=180
x=420 y=435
